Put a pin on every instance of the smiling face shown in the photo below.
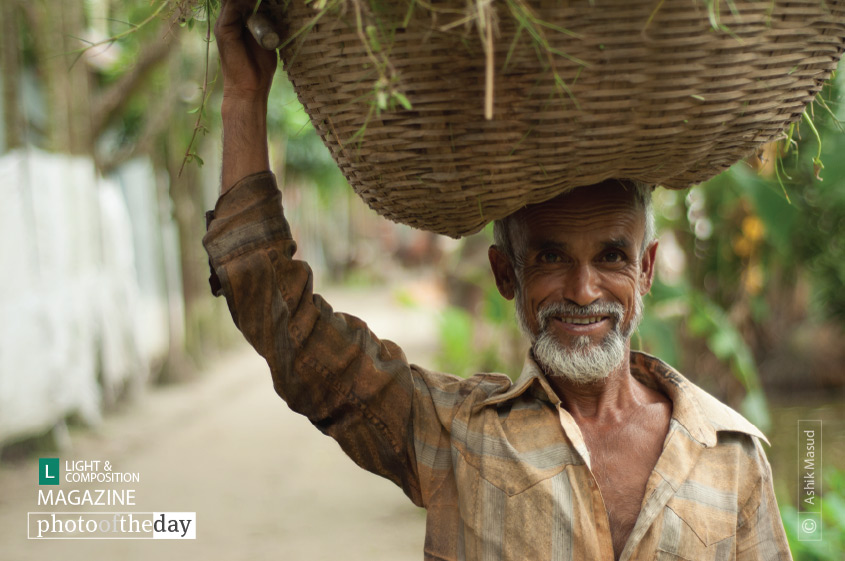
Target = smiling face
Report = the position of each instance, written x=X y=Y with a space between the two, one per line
x=578 y=274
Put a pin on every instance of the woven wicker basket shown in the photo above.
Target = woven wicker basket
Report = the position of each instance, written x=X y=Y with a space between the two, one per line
x=659 y=97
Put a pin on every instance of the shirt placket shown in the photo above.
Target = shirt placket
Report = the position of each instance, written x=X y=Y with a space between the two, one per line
x=678 y=458
x=603 y=539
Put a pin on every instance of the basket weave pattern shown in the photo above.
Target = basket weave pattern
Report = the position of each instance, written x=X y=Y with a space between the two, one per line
x=663 y=99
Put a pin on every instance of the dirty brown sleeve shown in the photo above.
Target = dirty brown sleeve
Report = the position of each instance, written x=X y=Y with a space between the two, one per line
x=325 y=365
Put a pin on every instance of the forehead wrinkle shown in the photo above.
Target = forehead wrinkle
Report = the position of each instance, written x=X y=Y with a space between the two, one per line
x=605 y=207
x=622 y=243
x=558 y=210
x=616 y=229
x=548 y=244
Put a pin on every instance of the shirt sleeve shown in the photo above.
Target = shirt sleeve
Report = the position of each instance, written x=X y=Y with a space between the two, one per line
x=760 y=534
x=327 y=366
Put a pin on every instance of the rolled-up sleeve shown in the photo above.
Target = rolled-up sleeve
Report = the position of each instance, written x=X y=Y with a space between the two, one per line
x=325 y=365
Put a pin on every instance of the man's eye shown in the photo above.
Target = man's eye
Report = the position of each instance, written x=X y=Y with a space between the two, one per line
x=549 y=257
x=613 y=257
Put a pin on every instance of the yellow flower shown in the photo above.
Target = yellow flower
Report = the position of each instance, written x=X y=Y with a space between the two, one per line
x=753 y=229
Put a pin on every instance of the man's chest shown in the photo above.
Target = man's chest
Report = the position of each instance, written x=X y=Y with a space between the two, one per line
x=621 y=464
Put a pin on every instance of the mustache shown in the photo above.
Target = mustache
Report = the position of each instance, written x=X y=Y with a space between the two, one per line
x=557 y=309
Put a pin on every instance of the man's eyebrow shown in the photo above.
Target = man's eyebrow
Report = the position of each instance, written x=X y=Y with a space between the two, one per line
x=617 y=243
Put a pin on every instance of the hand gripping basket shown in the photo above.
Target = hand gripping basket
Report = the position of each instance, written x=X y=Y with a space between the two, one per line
x=667 y=92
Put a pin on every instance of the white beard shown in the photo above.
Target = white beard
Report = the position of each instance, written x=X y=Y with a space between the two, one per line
x=582 y=362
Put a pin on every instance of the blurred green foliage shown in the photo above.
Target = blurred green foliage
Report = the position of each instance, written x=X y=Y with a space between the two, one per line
x=831 y=545
x=705 y=320
x=457 y=352
x=481 y=334
x=306 y=158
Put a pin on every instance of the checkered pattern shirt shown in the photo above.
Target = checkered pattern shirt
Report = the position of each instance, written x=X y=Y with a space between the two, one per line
x=500 y=466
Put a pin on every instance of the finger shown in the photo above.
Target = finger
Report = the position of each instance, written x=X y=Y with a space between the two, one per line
x=232 y=16
x=229 y=14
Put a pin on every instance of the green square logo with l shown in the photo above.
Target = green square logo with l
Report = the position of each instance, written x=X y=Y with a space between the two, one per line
x=48 y=471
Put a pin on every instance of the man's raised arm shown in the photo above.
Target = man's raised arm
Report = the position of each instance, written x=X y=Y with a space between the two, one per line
x=328 y=366
x=247 y=71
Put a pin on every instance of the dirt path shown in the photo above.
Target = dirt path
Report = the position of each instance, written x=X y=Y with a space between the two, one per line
x=264 y=483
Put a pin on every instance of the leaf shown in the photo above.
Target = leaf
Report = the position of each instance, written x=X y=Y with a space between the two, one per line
x=755 y=408
x=403 y=101
x=698 y=323
x=817 y=168
x=778 y=215
x=660 y=338
x=723 y=344
x=835 y=480
x=456 y=333
x=372 y=33
x=711 y=13
x=833 y=509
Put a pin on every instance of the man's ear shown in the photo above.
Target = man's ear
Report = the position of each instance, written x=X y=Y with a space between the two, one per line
x=503 y=272
x=647 y=268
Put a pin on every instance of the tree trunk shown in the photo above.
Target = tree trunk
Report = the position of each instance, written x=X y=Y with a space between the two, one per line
x=10 y=62
x=55 y=24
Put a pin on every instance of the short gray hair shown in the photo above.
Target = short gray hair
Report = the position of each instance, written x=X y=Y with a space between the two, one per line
x=505 y=229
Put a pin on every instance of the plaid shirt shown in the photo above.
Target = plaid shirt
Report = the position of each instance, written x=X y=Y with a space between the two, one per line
x=501 y=467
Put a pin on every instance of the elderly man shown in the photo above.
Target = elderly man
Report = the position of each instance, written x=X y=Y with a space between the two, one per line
x=595 y=453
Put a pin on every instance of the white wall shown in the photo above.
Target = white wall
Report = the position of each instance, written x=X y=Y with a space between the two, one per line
x=84 y=295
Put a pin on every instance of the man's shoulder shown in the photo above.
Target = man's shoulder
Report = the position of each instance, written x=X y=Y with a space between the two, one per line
x=723 y=417
x=478 y=387
x=704 y=415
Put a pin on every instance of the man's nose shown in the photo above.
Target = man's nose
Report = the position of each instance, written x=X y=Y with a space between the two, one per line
x=581 y=285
